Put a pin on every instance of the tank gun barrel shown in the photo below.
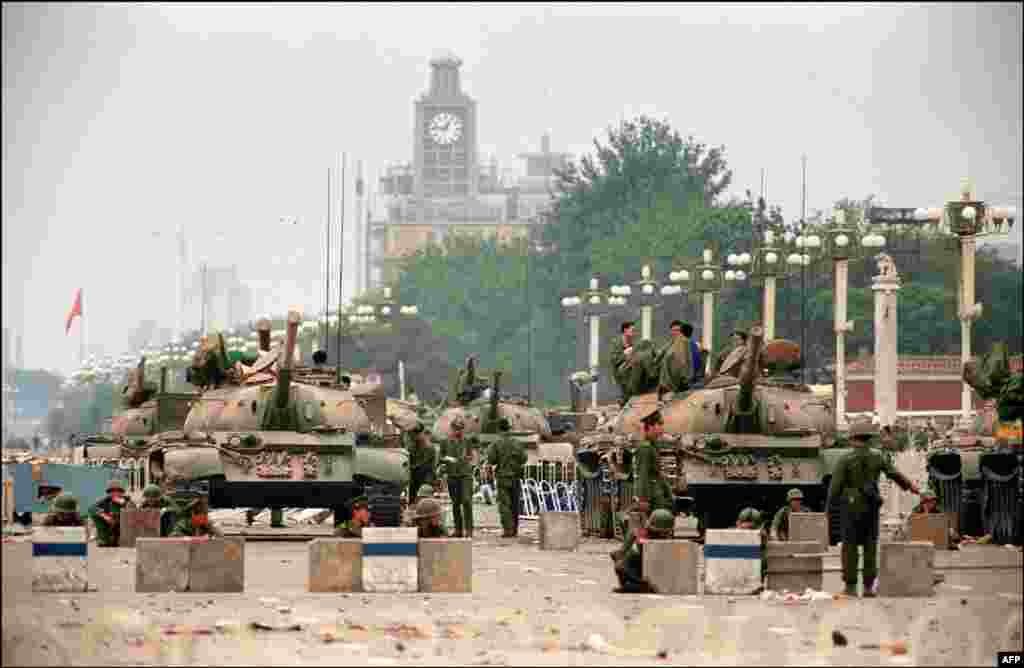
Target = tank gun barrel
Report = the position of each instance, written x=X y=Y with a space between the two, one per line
x=493 y=412
x=284 y=372
x=749 y=370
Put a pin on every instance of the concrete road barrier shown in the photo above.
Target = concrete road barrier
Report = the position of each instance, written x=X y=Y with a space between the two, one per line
x=138 y=524
x=670 y=566
x=390 y=561
x=446 y=565
x=732 y=561
x=186 y=564
x=907 y=569
x=60 y=559
x=559 y=531
x=931 y=528
x=336 y=565
x=809 y=527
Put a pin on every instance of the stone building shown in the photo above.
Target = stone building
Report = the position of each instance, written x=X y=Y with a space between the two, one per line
x=446 y=188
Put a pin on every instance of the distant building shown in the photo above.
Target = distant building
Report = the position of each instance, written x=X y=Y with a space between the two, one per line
x=445 y=188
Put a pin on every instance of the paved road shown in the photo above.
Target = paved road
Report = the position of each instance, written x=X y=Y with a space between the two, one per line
x=527 y=607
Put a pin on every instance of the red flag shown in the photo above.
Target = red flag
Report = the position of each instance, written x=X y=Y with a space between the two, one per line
x=76 y=309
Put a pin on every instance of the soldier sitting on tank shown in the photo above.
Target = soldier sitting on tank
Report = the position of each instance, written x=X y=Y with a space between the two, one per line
x=137 y=391
x=629 y=569
x=730 y=359
x=676 y=362
x=428 y=519
x=193 y=516
x=353 y=528
x=780 y=523
x=697 y=379
x=106 y=514
x=64 y=513
x=469 y=385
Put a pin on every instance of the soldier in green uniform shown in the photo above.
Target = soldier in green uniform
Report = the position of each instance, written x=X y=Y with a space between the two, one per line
x=428 y=519
x=422 y=459
x=780 y=523
x=105 y=514
x=930 y=506
x=749 y=518
x=621 y=349
x=154 y=499
x=353 y=528
x=651 y=491
x=676 y=362
x=64 y=513
x=508 y=456
x=629 y=569
x=855 y=484
x=457 y=460
x=193 y=517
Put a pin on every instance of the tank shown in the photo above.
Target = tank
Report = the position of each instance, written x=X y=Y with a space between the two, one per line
x=271 y=441
x=742 y=440
x=976 y=472
x=148 y=409
x=480 y=405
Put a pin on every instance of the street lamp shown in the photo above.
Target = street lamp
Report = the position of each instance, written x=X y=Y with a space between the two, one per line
x=707 y=281
x=968 y=219
x=647 y=296
x=384 y=312
x=593 y=304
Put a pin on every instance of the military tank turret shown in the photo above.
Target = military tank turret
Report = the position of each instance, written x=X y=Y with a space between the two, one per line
x=976 y=472
x=742 y=440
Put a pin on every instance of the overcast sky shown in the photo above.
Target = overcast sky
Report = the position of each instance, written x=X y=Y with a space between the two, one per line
x=120 y=121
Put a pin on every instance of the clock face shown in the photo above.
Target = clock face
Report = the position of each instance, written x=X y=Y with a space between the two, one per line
x=445 y=128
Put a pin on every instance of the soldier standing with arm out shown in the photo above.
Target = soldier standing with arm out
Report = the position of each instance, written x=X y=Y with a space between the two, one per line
x=508 y=457
x=855 y=484
x=456 y=458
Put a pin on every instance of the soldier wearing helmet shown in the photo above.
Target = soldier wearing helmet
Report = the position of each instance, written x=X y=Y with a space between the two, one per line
x=428 y=519
x=749 y=518
x=192 y=516
x=929 y=505
x=64 y=513
x=154 y=499
x=855 y=485
x=353 y=528
x=457 y=457
x=629 y=569
x=106 y=512
x=422 y=459
x=508 y=456
x=780 y=523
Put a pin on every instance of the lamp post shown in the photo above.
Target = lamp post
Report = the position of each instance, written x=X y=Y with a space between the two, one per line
x=384 y=312
x=968 y=219
x=707 y=281
x=592 y=304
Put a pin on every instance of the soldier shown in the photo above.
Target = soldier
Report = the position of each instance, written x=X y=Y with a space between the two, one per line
x=353 y=528
x=697 y=380
x=930 y=506
x=732 y=356
x=48 y=493
x=425 y=491
x=651 y=489
x=622 y=348
x=193 y=517
x=676 y=362
x=422 y=459
x=154 y=499
x=749 y=518
x=508 y=457
x=855 y=484
x=457 y=459
x=106 y=512
x=629 y=569
x=428 y=519
x=780 y=524
x=64 y=513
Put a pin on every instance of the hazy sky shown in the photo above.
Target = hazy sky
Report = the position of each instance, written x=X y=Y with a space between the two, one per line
x=124 y=120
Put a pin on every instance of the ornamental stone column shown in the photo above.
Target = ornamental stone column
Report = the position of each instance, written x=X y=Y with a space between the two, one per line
x=886 y=287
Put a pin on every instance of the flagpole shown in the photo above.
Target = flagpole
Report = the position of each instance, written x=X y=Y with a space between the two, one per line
x=81 y=330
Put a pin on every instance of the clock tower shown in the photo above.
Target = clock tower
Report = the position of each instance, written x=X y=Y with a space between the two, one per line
x=445 y=136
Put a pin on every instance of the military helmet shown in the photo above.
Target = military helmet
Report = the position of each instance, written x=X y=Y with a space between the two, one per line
x=794 y=494
x=425 y=490
x=427 y=508
x=661 y=520
x=863 y=430
x=750 y=515
x=504 y=424
x=115 y=484
x=151 y=492
x=66 y=503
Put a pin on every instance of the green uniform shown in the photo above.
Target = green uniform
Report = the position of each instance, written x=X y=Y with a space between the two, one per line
x=157 y=504
x=780 y=523
x=676 y=365
x=183 y=524
x=422 y=461
x=108 y=535
x=460 y=483
x=427 y=530
x=348 y=529
x=620 y=372
x=647 y=480
x=508 y=456
x=855 y=484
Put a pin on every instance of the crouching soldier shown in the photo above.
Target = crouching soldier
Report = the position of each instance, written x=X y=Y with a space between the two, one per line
x=64 y=513
x=629 y=569
x=193 y=515
x=154 y=499
x=353 y=528
x=428 y=519
x=780 y=523
x=106 y=514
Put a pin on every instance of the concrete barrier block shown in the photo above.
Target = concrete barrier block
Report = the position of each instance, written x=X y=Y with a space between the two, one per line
x=732 y=561
x=809 y=527
x=777 y=548
x=930 y=528
x=162 y=564
x=795 y=572
x=670 y=566
x=217 y=565
x=390 y=561
x=446 y=565
x=138 y=524
x=559 y=531
x=906 y=569
x=17 y=567
x=336 y=565
x=60 y=559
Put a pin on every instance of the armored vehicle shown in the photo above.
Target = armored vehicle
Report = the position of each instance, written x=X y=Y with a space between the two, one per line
x=976 y=473
x=742 y=440
x=148 y=409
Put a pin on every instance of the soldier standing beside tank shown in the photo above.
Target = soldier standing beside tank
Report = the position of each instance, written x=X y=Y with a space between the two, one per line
x=629 y=569
x=422 y=460
x=650 y=490
x=622 y=348
x=780 y=523
x=457 y=460
x=106 y=514
x=353 y=528
x=855 y=484
x=508 y=456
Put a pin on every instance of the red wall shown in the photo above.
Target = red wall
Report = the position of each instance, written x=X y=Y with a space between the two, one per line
x=914 y=395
